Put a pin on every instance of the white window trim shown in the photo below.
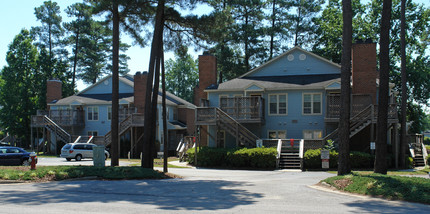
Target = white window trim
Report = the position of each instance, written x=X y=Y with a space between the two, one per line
x=312 y=103
x=277 y=104
x=92 y=133
x=107 y=113
x=223 y=136
x=98 y=113
x=277 y=133
x=219 y=101
x=313 y=137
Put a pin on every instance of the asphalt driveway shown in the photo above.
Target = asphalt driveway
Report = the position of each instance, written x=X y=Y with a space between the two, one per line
x=200 y=191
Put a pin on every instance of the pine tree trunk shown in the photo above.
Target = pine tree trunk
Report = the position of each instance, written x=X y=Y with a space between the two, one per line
x=115 y=80
x=403 y=139
x=150 y=110
x=345 y=92
x=384 y=60
x=165 y=137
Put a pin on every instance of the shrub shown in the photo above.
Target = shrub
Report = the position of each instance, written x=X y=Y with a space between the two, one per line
x=240 y=157
x=312 y=159
x=261 y=157
x=427 y=140
x=428 y=160
x=361 y=160
x=409 y=162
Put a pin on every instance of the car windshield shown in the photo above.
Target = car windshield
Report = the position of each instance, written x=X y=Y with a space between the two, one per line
x=67 y=146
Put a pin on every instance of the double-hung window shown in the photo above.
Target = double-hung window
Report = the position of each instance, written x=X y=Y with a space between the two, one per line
x=312 y=103
x=312 y=134
x=93 y=113
x=278 y=104
x=277 y=134
x=109 y=113
x=92 y=133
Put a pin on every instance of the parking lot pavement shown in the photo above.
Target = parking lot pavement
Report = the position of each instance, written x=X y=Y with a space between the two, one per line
x=56 y=161
x=200 y=191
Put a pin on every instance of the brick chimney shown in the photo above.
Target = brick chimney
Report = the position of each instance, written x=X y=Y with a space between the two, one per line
x=53 y=91
x=140 y=91
x=364 y=72
x=207 y=76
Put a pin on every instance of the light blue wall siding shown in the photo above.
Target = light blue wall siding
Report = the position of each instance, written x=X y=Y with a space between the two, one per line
x=214 y=97
x=282 y=66
x=102 y=125
x=102 y=88
x=295 y=121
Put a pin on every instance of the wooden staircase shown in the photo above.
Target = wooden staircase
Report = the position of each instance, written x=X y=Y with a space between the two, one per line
x=124 y=125
x=243 y=136
x=290 y=155
x=419 y=154
x=59 y=132
x=357 y=123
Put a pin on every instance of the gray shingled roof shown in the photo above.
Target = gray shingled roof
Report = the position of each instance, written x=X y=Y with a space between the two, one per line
x=97 y=99
x=270 y=84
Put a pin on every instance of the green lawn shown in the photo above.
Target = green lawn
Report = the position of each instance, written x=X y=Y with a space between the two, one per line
x=395 y=187
x=49 y=173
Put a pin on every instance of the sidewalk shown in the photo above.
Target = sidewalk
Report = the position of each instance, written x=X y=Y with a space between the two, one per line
x=181 y=164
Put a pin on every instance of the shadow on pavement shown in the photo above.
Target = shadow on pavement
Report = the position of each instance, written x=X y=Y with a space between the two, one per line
x=381 y=206
x=169 y=194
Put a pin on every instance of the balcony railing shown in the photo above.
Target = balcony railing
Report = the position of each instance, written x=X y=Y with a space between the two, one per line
x=125 y=112
x=359 y=102
x=62 y=117
x=244 y=109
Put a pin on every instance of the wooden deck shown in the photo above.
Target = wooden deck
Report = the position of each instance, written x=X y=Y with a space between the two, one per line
x=358 y=104
x=241 y=109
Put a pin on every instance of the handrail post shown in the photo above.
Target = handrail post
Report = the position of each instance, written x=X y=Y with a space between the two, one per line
x=301 y=148
x=424 y=151
x=301 y=151
x=278 y=149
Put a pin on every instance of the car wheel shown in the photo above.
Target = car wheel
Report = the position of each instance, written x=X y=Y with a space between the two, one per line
x=78 y=157
x=25 y=163
x=68 y=159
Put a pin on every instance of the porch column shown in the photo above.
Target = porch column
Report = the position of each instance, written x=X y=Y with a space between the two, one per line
x=31 y=138
x=396 y=146
x=131 y=141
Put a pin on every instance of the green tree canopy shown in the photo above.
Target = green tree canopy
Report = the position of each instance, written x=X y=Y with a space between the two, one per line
x=19 y=93
x=182 y=75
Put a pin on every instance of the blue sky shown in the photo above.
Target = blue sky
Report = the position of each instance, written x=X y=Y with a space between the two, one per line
x=19 y=14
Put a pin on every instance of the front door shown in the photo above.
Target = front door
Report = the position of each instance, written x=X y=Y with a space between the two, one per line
x=255 y=105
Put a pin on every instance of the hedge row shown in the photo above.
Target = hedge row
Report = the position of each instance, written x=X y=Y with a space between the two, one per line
x=240 y=157
x=428 y=160
x=312 y=159
x=266 y=158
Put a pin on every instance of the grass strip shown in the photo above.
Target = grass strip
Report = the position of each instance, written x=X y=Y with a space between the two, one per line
x=414 y=189
x=49 y=173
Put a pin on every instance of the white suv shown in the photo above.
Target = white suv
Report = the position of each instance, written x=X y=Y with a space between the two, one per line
x=78 y=151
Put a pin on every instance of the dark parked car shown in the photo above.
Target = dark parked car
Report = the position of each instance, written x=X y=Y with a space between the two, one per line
x=4 y=144
x=14 y=156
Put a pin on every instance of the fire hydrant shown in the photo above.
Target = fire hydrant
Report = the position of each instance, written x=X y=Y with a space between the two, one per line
x=33 y=162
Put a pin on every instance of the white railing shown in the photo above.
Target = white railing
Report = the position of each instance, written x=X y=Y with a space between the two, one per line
x=411 y=150
x=90 y=139
x=425 y=154
x=279 y=149
x=77 y=139
x=301 y=148
x=183 y=146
